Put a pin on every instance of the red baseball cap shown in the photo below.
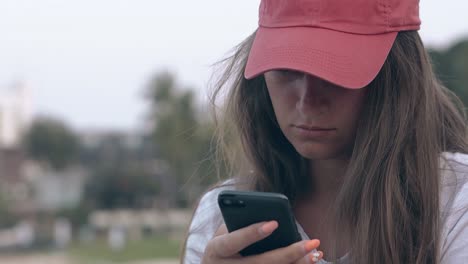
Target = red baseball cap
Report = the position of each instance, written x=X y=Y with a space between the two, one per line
x=344 y=42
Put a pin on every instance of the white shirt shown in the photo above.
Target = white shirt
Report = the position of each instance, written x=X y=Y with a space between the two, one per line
x=454 y=216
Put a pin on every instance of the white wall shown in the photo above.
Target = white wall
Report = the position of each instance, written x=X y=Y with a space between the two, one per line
x=15 y=113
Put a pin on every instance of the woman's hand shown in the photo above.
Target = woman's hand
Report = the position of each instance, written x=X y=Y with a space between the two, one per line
x=224 y=247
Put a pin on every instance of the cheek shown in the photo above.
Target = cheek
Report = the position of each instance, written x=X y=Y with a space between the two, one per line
x=283 y=102
x=350 y=110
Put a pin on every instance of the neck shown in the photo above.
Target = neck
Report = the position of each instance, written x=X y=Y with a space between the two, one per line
x=326 y=176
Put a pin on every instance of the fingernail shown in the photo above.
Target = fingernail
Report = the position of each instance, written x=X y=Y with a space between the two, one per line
x=314 y=257
x=268 y=228
x=311 y=244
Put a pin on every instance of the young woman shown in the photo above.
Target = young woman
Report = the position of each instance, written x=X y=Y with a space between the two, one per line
x=334 y=104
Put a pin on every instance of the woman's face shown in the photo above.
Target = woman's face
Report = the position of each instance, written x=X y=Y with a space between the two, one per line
x=317 y=117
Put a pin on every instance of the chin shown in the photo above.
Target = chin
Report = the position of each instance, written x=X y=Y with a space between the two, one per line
x=317 y=153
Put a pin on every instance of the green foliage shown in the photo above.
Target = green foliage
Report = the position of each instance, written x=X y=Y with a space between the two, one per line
x=451 y=66
x=51 y=141
x=179 y=134
x=78 y=215
x=122 y=186
x=107 y=152
x=7 y=219
x=146 y=249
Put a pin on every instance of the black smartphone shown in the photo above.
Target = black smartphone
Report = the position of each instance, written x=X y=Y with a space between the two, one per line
x=241 y=209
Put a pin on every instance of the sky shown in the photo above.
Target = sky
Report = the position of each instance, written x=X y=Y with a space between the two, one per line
x=87 y=61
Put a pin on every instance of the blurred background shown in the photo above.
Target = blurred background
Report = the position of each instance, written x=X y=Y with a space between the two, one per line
x=105 y=136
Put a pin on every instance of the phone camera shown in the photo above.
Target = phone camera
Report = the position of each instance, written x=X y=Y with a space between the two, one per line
x=227 y=201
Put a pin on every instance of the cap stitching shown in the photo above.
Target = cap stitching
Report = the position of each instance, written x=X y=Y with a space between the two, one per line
x=389 y=6
x=406 y=26
x=383 y=6
x=317 y=12
x=326 y=60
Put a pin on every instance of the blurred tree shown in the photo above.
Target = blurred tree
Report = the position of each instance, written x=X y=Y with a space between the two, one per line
x=7 y=219
x=107 y=151
x=451 y=66
x=50 y=140
x=122 y=186
x=77 y=215
x=180 y=137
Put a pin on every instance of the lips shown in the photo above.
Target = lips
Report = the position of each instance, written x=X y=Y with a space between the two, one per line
x=314 y=128
x=313 y=132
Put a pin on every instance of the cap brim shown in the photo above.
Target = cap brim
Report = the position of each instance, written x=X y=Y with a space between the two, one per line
x=345 y=59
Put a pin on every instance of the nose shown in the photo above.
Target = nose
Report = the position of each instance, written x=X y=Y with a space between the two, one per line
x=312 y=95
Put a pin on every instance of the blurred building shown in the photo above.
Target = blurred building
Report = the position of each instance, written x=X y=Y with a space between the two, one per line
x=54 y=190
x=13 y=187
x=15 y=113
x=137 y=223
x=15 y=118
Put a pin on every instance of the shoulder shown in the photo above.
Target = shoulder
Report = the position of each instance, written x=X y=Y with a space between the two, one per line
x=454 y=179
x=454 y=207
x=455 y=163
x=208 y=210
x=206 y=220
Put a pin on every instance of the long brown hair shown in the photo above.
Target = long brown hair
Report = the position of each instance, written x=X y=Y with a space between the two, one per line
x=388 y=202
